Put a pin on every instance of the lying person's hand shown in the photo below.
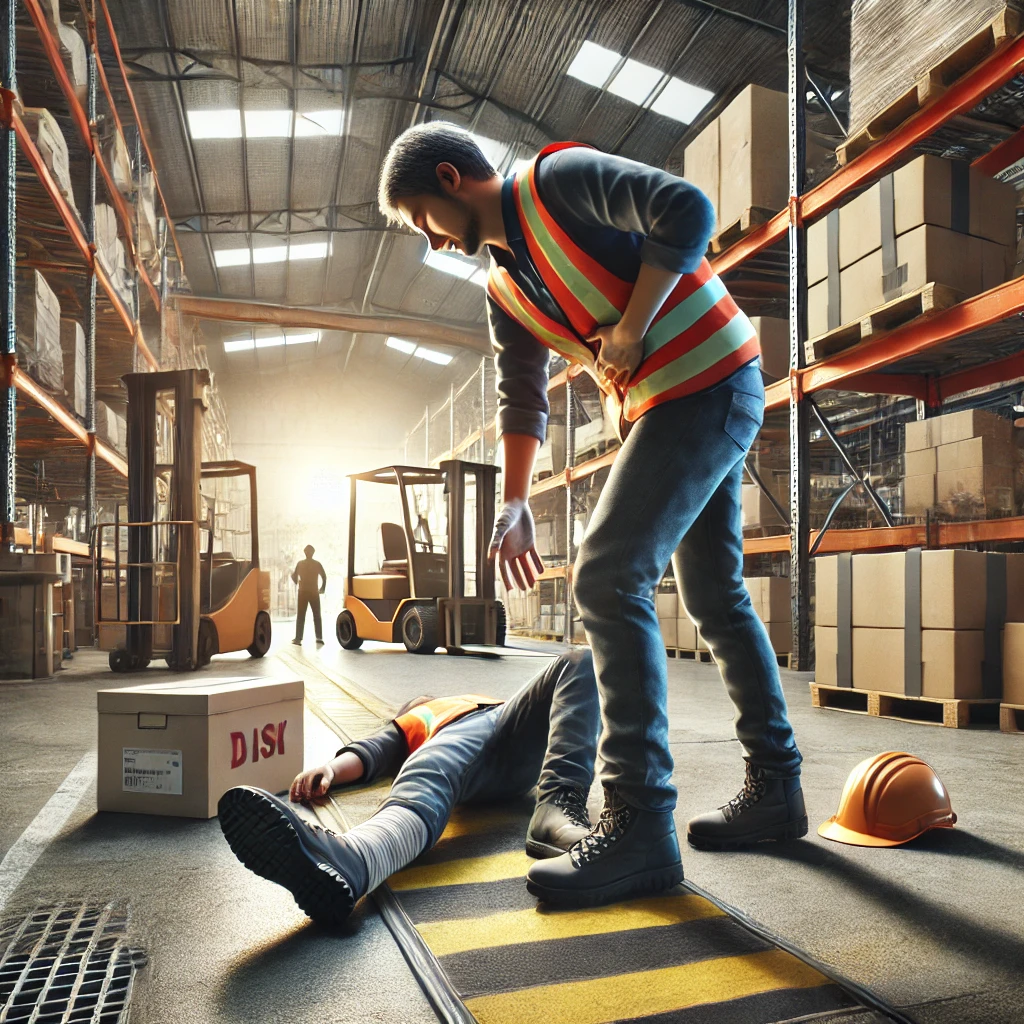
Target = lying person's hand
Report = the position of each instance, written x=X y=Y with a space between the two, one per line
x=313 y=784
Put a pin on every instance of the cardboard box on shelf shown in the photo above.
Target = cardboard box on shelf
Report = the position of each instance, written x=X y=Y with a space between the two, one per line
x=773 y=333
x=977 y=492
x=115 y=153
x=780 y=634
x=52 y=146
x=669 y=633
x=146 y=207
x=956 y=426
x=106 y=423
x=919 y=494
x=72 y=343
x=109 y=247
x=74 y=55
x=1013 y=663
x=175 y=748
x=921 y=462
x=667 y=604
x=686 y=634
x=758 y=509
x=702 y=165
x=38 y=330
x=974 y=452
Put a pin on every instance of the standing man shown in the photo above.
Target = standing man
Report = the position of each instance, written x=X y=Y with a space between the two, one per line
x=602 y=260
x=308 y=574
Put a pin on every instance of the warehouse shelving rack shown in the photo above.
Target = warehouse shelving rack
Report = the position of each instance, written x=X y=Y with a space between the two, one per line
x=930 y=360
x=113 y=326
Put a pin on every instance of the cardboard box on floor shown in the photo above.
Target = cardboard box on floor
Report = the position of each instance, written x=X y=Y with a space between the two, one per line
x=175 y=748
x=1013 y=663
x=951 y=661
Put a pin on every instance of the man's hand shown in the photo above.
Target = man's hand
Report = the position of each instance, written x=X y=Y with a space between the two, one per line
x=513 y=542
x=619 y=354
x=313 y=784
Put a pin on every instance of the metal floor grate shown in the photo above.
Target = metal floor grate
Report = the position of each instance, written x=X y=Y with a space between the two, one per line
x=67 y=963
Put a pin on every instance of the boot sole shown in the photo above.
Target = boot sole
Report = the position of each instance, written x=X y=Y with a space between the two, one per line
x=791 y=830
x=635 y=885
x=542 y=851
x=266 y=841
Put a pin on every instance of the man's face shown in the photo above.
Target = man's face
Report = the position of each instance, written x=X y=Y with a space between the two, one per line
x=446 y=222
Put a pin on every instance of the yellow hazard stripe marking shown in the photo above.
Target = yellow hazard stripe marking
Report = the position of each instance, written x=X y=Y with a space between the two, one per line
x=508 y=929
x=645 y=993
x=466 y=871
x=477 y=823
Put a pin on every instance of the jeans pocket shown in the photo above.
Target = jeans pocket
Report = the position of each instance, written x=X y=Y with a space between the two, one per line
x=746 y=413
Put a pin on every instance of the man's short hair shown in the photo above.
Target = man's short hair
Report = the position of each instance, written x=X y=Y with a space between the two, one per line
x=410 y=168
x=309 y=550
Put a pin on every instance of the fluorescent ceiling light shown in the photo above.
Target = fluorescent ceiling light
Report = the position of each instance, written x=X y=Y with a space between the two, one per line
x=302 y=338
x=480 y=278
x=635 y=82
x=681 y=101
x=263 y=124
x=271 y=254
x=593 y=64
x=433 y=357
x=274 y=341
x=401 y=345
x=215 y=124
x=449 y=263
x=239 y=345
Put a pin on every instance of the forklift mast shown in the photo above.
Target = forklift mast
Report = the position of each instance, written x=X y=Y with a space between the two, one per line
x=165 y=441
x=455 y=472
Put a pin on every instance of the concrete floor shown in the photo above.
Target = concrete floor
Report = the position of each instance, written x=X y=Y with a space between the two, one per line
x=933 y=927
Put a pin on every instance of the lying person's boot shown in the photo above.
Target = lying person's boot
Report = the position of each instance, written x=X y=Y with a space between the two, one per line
x=324 y=874
x=629 y=853
x=765 y=809
x=558 y=823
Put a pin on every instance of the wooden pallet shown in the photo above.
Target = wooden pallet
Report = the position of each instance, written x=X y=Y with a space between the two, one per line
x=704 y=657
x=752 y=217
x=1011 y=717
x=952 y=713
x=971 y=52
x=926 y=301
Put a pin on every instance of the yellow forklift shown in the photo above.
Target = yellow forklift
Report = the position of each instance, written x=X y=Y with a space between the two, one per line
x=181 y=578
x=432 y=584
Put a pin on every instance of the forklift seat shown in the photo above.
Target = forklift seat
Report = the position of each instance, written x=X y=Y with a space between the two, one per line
x=396 y=556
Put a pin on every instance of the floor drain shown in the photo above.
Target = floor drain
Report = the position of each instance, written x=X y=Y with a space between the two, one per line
x=67 y=963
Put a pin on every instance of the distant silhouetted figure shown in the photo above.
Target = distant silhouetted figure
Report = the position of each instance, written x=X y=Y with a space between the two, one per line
x=307 y=574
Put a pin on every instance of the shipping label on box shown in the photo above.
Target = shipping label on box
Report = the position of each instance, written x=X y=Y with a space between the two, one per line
x=151 y=771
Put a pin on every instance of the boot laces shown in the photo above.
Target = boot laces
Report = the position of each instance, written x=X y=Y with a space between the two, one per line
x=609 y=829
x=752 y=791
x=313 y=827
x=573 y=802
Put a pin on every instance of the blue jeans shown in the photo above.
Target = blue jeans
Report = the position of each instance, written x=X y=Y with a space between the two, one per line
x=674 y=493
x=545 y=736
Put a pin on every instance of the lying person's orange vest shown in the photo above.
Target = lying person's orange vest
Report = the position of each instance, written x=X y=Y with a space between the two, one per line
x=426 y=720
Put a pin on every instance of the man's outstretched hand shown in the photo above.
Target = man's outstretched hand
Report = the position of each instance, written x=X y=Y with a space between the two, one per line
x=513 y=542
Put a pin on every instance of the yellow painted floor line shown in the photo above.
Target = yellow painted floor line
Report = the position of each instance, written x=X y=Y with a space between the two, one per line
x=645 y=993
x=534 y=925
x=494 y=868
x=475 y=821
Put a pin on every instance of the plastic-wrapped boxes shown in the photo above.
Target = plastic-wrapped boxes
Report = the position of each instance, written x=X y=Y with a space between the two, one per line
x=931 y=220
x=38 y=324
x=52 y=147
x=72 y=343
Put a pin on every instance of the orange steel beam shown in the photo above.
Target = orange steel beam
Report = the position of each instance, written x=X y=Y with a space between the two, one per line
x=980 y=376
x=558 y=380
x=138 y=123
x=890 y=384
x=589 y=468
x=916 y=337
x=27 y=386
x=551 y=483
x=1009 y=151
x=982 y=531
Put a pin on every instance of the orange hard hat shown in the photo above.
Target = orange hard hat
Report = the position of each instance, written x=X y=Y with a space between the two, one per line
x=889 y=799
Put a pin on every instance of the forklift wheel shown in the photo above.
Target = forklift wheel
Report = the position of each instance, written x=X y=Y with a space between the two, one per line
x=419 y=629
x=345 y=630
x=502 y=626
x=121 y=660
x=260 y=636
x=207 y=643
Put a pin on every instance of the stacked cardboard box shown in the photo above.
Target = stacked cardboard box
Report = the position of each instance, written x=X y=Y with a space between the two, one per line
x=920 y=623
x=550 y=538
x=107 y=428
x=72 y=343
x=964 y=462
x=770 y=596
x=1013 y=663
x=38 y=325
x=115 y=153
x=111 y=251
x=146 y=207
x=773 y=333
x=931 y=220
x=677 y=630
x=53 y=148
x=758 y=511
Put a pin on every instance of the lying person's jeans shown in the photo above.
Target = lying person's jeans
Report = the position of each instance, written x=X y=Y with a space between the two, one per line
x=674 y=493
x=545 y=736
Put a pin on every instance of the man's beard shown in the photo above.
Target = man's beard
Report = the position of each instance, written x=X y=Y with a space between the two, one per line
x=471 y=241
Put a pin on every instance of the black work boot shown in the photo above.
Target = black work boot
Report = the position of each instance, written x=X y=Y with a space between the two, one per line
x=558 y=823
x=764 y=809
x=629 y=853
x=324 y=874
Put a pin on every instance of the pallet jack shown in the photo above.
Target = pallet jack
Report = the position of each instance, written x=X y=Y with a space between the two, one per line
x=181 y=578
x=419 y=595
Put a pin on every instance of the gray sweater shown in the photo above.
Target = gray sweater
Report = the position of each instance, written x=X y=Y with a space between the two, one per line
x=621 y=213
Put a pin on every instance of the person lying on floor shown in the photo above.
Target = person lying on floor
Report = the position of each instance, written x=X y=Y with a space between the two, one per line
x=442 y=752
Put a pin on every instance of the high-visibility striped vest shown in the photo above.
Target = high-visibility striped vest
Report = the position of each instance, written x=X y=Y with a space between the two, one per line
x=697 y=338
x=426 y=720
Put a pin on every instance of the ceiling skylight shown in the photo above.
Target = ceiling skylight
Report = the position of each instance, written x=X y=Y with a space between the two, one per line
x=263 y=124
x=433 y=357
x=401 y=345
x=271 y=340
x=239 y=345
x=637 y=82
x=410 y=348
x=594 y=64
x=450 y=263
x=271 y=254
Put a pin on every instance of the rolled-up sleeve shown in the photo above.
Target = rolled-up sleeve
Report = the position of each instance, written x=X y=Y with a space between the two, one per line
x=675 y=218
x=521 y=369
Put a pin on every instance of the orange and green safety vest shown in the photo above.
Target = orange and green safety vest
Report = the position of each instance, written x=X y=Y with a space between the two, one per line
x=425 y=720
x=697 y=338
